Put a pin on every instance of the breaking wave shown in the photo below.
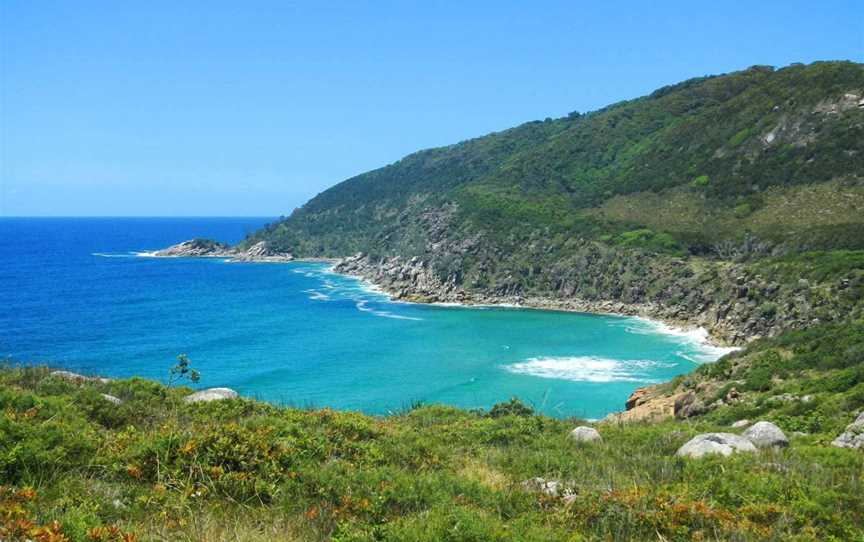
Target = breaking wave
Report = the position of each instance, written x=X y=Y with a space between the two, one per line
x=588 y=369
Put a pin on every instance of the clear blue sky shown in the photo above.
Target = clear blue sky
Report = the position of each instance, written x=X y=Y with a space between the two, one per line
x=251 y=108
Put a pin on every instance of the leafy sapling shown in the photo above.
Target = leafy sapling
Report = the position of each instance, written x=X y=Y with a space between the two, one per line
x=182 y=370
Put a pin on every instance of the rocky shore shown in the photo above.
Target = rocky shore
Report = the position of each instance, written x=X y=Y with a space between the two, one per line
x=412 y=281
x=730 y=302
x=733 y=303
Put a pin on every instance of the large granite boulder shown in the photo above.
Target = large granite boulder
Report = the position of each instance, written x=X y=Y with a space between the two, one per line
x=853 y=436
x=211 y=394
x=585 y=434
x=715 y=443
x=766 y=435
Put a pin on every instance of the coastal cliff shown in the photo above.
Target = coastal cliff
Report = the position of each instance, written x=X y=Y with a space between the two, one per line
x=735 y=303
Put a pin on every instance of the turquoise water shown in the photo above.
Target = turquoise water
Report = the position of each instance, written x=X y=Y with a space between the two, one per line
x=76 y=295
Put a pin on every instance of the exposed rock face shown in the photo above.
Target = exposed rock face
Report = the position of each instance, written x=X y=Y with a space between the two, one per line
x=638 y=397
x=647 y=404
x=740 y=423
x=728 y=302
x=585 y=434
x=212 y=394
x=196 y=248
x=260 y=252
x=206 y=248
x=715 y=443
x=853 y=436
x=77 y=378
x=766 y=435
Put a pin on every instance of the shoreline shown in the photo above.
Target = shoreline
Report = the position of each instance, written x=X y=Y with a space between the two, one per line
x=437 y=294
x=680 y=328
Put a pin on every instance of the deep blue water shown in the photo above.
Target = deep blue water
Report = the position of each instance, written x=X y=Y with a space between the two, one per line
x=74 y=294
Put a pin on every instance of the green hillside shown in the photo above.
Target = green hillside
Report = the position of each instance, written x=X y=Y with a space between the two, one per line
x=681 y=205
x=729 y=150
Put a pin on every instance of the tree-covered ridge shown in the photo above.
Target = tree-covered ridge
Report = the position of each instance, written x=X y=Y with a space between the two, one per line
x=728 y=141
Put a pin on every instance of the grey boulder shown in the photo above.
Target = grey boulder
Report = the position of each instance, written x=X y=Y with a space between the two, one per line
x=585 y=434
x=715 y=443
x=766 y=435
x=740 y=423
x=211 y=394
x=853 y=436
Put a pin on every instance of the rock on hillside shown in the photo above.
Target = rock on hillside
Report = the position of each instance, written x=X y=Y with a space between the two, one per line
x=715 y=443
x=211 y=394
x=766 y=435
x=853 y=436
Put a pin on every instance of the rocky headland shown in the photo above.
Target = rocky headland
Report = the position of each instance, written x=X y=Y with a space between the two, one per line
x=207 y=248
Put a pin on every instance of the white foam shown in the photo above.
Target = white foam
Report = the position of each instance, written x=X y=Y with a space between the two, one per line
x=315 y=295
x=362 y=306
x=696 y=338
x=108 y=255
x=587 y=369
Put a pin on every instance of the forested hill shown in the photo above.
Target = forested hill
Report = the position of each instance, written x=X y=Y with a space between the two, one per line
x=683 y=168
x=733 y=202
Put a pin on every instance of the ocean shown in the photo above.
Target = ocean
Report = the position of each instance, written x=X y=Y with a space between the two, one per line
x=77 y=294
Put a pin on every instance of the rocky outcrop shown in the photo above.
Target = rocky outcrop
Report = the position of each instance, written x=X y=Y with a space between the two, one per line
x=211 y=394
x=853 y=436
x=206 y=248
x=585 y=434
x=196 y=248
x=766 y=435
x=260 y=252
x=728 y=300
x=78 y=378
x=648 y=404
x=715 y=443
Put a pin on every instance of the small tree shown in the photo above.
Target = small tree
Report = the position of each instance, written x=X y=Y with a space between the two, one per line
x=182 y=370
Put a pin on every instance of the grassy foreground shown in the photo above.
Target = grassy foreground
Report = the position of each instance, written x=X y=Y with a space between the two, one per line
x=75 y=467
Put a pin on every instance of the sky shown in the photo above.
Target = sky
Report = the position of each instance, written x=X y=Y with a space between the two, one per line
x=251 y=108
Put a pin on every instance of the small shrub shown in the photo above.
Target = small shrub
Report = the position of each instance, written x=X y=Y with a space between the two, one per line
x=513 y=407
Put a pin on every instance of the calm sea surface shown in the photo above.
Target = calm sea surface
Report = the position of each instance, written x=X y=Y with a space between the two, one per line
x=74 y=294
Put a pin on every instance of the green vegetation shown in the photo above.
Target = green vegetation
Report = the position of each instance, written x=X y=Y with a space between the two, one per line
x=808 y=380
x=668 y=200
x=76 y=467
x=731 y=138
